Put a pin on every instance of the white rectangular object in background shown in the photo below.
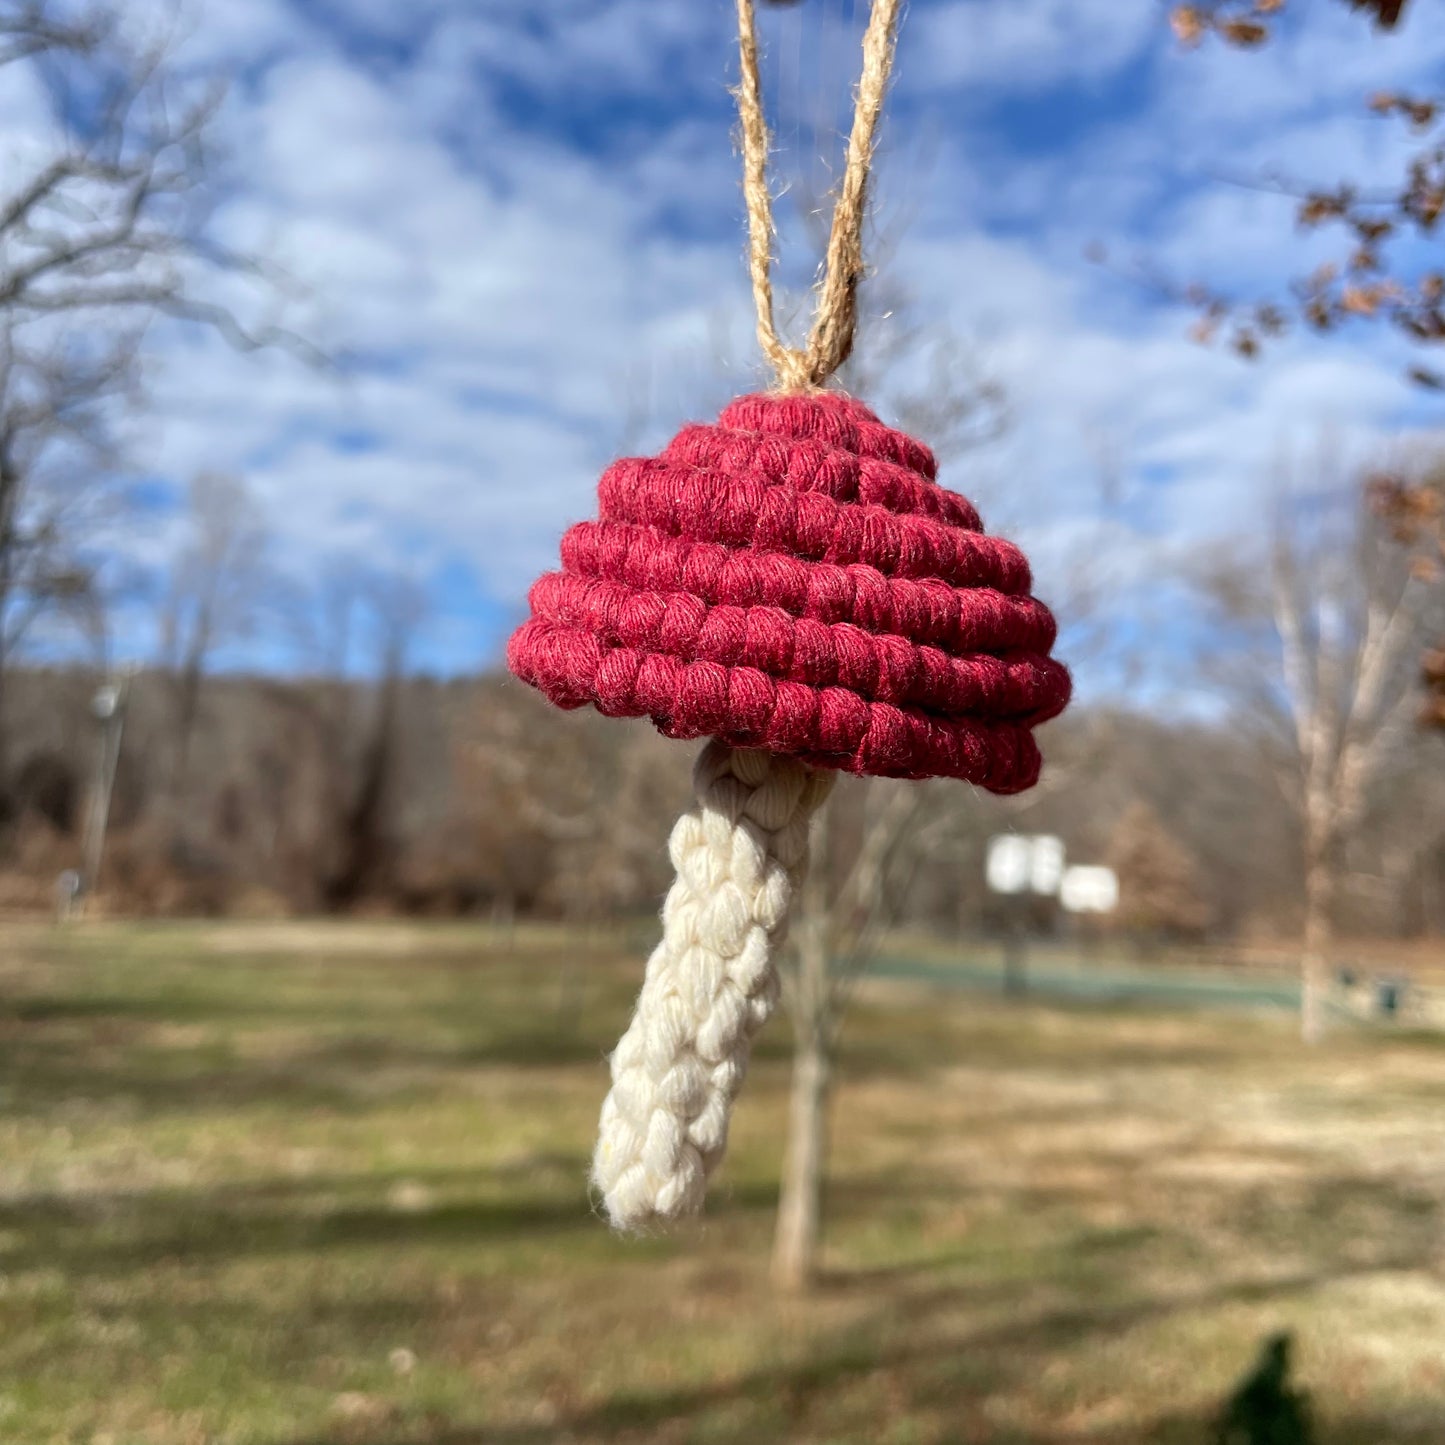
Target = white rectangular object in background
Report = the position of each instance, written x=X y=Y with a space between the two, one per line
x=1085 y=889
x=1009 y=863
x=1025 y=863
x=1046 y=866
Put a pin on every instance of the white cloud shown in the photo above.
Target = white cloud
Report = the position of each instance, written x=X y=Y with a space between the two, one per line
x=1025 y=45
x=522 y=225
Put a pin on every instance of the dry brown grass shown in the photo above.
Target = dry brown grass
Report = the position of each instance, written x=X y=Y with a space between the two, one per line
x=282 y=1186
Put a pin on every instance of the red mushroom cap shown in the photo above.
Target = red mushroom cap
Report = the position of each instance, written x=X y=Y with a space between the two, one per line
x=794 y=579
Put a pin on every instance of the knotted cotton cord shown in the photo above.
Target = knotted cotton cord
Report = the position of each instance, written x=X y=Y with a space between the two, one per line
x=830 y=341
x=711 y=983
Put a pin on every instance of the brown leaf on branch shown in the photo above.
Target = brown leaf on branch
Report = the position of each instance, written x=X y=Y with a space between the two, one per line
x=1425 y=325
x=1426 y=206
x=1269 y=319
x=1321 y=206
x=1420 y=113
x=1246 y=33
x=1188 y=24
x=1386 y=12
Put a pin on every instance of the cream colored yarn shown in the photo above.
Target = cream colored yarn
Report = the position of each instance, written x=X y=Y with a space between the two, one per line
x=739 y=852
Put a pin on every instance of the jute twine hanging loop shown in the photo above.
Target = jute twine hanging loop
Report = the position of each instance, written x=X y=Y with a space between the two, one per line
x=830 y=342
x=793 y=584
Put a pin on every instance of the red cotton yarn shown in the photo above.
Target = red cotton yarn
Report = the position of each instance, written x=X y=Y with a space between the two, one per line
x=795 y=579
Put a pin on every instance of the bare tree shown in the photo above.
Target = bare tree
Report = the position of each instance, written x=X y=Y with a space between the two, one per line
x=1323 y=665
x=212 y=595
x=106 y=230
x=866 y=837
x=1347 y=635
x=1160 y=884
x=1387 y=268
x=52 y=434
x=862 y=853
x=363 y=795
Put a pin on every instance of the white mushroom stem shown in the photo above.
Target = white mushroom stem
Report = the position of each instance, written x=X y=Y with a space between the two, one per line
x=740 y=852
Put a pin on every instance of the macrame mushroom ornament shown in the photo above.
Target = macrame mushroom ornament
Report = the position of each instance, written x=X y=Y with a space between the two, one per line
x=793 y=584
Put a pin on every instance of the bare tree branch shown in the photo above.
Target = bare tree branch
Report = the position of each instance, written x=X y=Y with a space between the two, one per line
x=107 y=233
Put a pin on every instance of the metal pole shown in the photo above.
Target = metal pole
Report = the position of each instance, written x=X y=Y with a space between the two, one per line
x=1015 y=951
x=108 y=706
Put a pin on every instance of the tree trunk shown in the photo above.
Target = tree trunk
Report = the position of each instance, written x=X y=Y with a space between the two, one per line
x=188 y=710
x=797 y=1236
x=364 y=842
x=800 y=1206
x=6 y=800
x=1319 y=932
x=9 y=488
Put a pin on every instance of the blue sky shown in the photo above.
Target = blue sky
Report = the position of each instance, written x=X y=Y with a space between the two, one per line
x=520 y=225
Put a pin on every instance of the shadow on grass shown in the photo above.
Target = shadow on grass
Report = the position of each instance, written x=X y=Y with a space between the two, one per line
x=115 y=1234
x=1164 y=1430
x=950 y=1378
x=112 y=1233
x=545 y=1194
x=58 y=1050
x=161 y=1008
x=115 y=1062
x=346 y=1043
x=1043 y=1034
x=912 y=1347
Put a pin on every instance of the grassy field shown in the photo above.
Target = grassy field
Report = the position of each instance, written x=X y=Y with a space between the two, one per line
x=326 y=1186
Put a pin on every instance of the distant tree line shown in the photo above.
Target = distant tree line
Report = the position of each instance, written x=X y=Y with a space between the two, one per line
x=407 y=794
